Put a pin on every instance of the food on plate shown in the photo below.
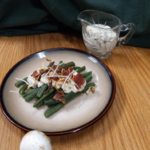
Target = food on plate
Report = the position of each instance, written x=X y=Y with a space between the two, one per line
x=55 y=85
x=35 y=140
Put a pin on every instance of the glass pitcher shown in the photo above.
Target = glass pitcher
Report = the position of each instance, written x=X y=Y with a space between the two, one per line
x=101 y=32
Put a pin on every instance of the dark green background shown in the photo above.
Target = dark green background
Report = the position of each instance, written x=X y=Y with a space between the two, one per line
x=27 y=17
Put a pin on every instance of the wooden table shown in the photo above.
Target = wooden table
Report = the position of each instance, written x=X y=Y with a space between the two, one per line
x=127 y=123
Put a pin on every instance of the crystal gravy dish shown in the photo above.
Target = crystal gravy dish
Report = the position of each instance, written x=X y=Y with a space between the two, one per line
x=101 y=32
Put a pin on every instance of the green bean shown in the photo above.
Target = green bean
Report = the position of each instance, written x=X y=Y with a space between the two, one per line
x=53 y=110
x=23 y=88
x=50 y=64
x=71 y=64
x=60 y=62
x=51 y=102
x=75 y=68
x=43 y=97
x=51 y=95
x=87 y=86
x=81 y=69
x=31 y=95
x=20 y=82
x=40 y=104
x=86 y=74
x=42 y=90
x=68 y=98
x=28 y=92
x=88 y=78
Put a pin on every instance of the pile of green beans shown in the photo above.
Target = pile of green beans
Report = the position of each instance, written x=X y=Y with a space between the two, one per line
x=46 y=99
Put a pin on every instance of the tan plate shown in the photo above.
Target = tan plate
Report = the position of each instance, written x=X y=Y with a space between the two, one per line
x=80 y=113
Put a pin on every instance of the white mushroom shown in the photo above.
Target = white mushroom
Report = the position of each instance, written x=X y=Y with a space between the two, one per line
x=35 y=140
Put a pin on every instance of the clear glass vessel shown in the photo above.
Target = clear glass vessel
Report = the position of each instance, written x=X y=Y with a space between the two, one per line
x=101 y=32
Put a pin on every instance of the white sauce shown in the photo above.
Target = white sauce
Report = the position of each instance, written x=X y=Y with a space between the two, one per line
x=71 y=86
x=44 y=79
x=100 y=37
x=67 y=86
x=32 y=82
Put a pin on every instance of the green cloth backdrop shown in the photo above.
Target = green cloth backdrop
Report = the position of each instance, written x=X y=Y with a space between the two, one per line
x=28 y=17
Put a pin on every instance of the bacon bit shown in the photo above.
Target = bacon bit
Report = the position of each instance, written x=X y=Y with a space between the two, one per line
x=48 y=59
x=54 y=66
x=67 y=72
x=58 y=96
x=79 y=80
x=49 y=80
x=55 y=78
x=35 y=74
x=63 y=100
x=66 y=68
x=41 y=71
x=49 y=88
x=58 y=71
x=39 y=77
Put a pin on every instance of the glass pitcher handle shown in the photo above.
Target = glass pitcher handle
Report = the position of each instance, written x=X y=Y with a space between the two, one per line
x=126 y=27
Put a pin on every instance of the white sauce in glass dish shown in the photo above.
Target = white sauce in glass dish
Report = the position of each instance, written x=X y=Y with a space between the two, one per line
x=100 y=37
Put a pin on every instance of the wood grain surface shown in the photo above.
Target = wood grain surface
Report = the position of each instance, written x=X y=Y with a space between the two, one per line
x=126 y=126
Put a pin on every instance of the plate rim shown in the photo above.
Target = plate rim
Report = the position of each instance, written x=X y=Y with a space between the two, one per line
x=94 y=120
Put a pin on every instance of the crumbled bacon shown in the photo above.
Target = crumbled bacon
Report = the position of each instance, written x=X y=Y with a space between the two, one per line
x=39 y=77
x=66 y=67
x=58 y=71
x=54 y=78
x=49 y=79
x=79 y=80
x=67 y=72
x=58 y=96
x=42 y=71
x=35 y=74
x=63 y=100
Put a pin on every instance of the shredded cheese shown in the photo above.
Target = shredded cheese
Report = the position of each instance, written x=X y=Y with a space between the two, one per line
x=57 y=76
x=57 y=68
x=68 y=78
x=51 y=68
x=13 y=91
x=22 y=80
